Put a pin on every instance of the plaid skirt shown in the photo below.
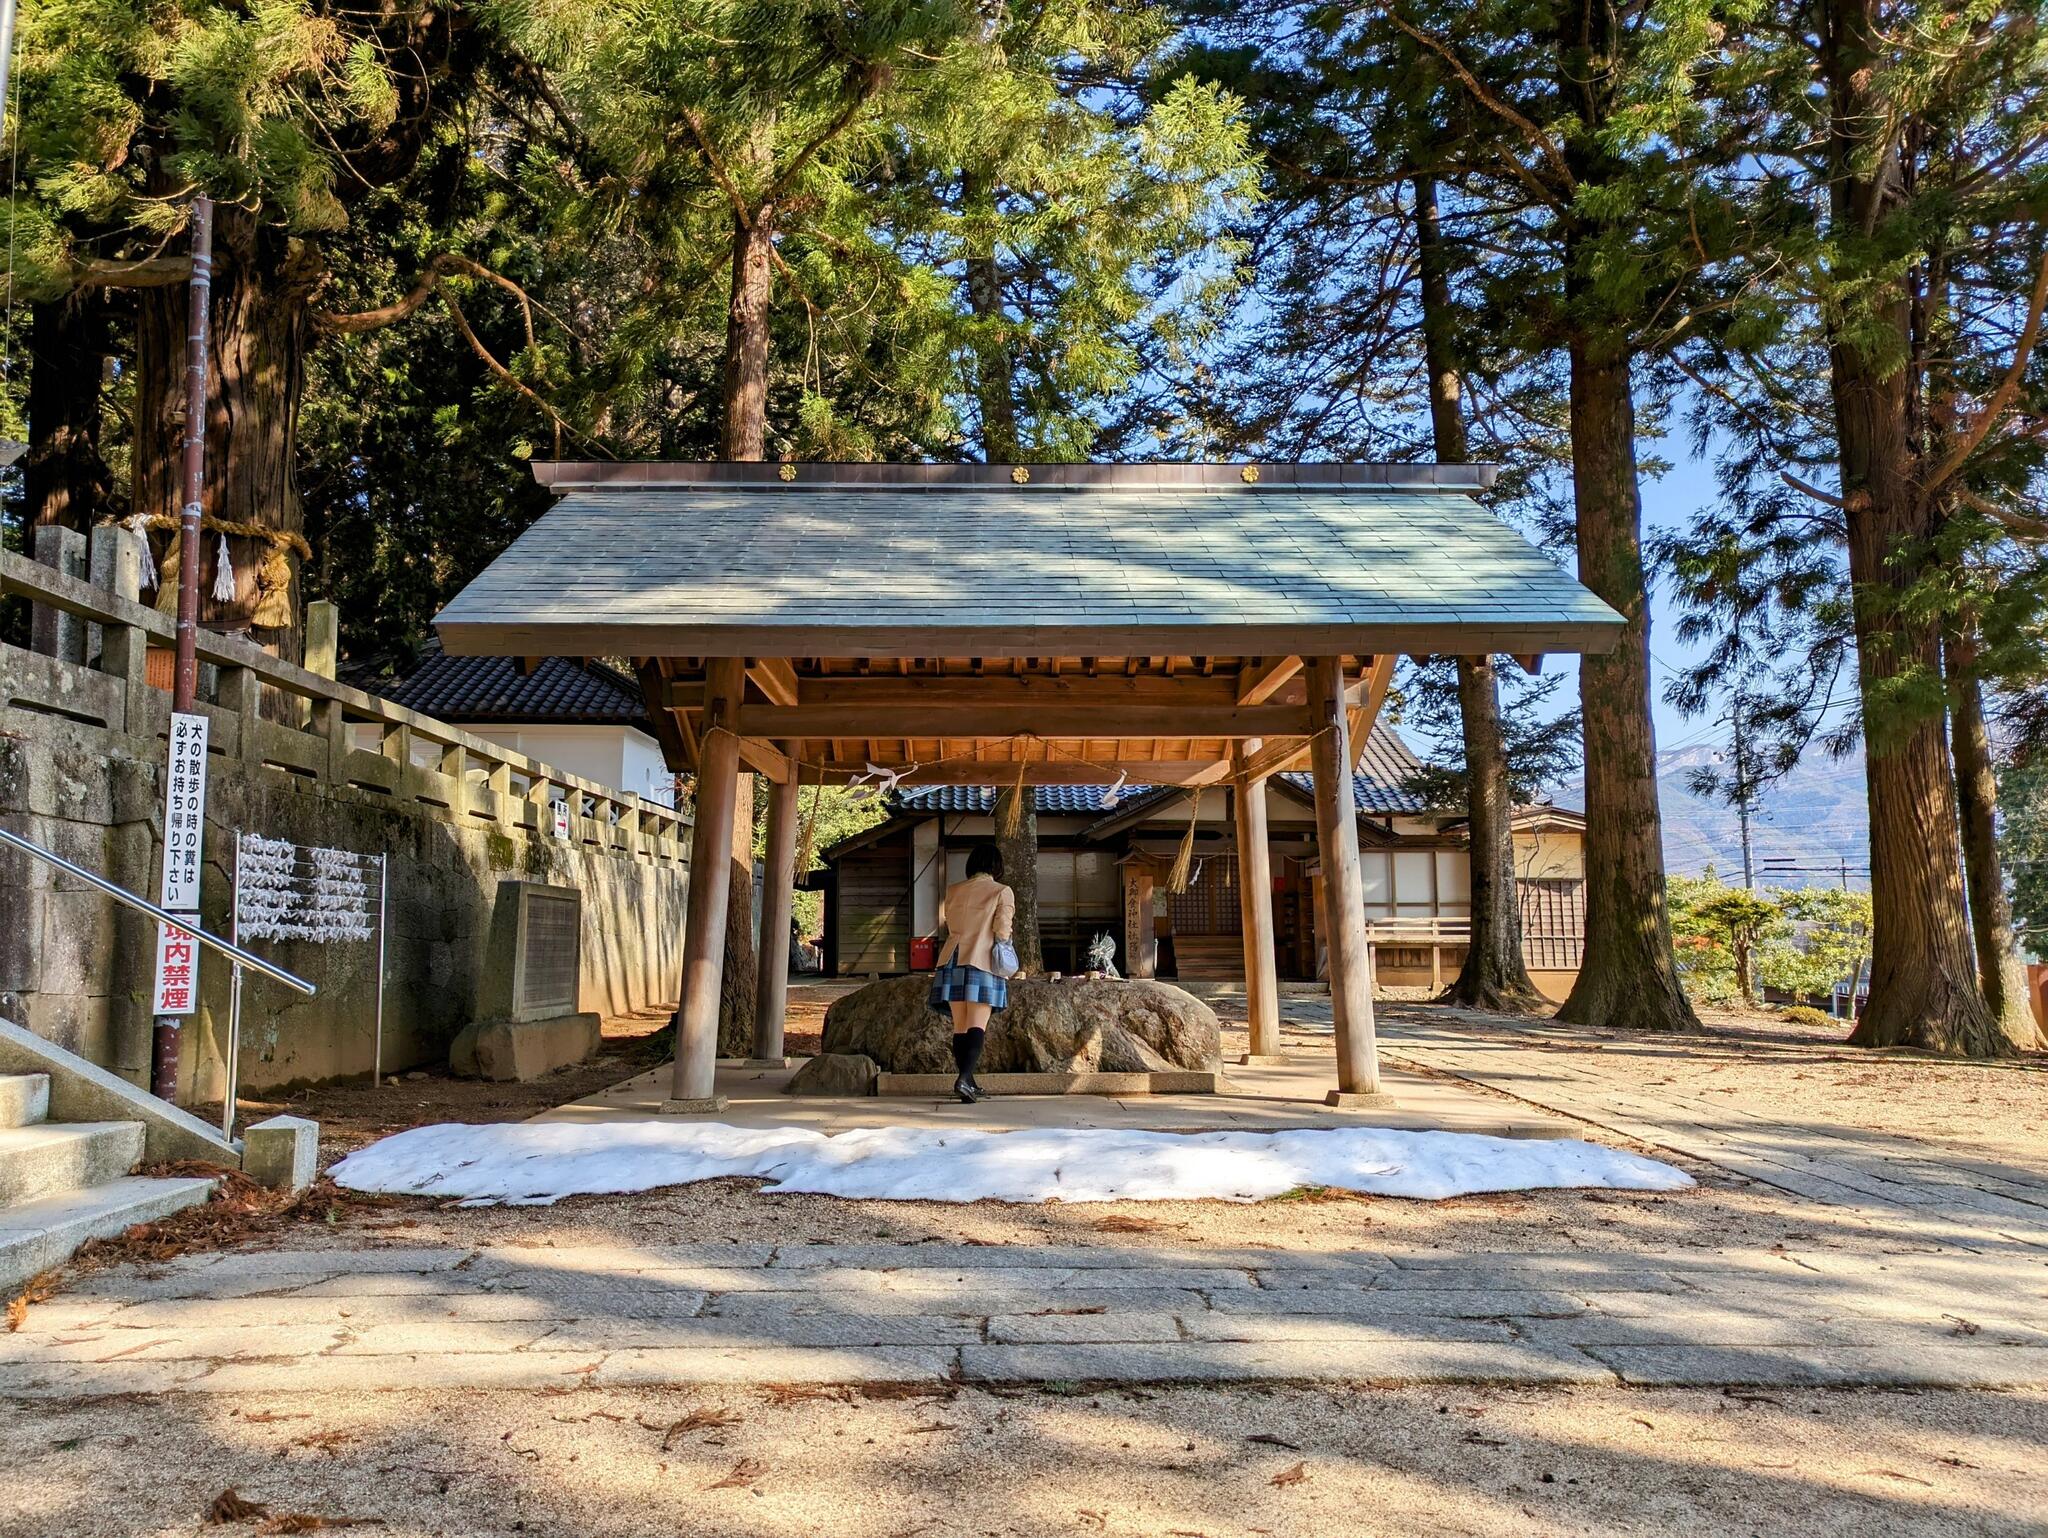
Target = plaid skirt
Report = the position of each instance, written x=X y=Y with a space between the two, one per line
x=955 y=983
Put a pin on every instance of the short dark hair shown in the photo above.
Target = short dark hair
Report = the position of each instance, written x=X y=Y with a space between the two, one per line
x=985 y=860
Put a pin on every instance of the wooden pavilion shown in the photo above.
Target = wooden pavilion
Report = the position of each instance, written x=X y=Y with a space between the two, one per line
x=974 y=624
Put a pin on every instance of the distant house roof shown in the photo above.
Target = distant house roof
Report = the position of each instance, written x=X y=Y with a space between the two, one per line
x=1378 y=788
x=559 y=691
x=1051 y=800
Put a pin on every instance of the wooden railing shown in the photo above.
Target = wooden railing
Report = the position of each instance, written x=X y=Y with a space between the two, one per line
x=350 y=738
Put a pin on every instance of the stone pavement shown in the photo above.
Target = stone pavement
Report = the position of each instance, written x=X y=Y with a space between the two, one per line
x=1900 y=1189
x=1943 y=1280
x=537 y=1318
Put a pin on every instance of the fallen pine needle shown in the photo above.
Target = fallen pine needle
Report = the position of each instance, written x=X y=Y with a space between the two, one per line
x=743 y=1475
x=228 y=1506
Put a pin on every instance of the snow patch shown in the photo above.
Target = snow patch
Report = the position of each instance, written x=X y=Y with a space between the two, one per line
x=536 y=1163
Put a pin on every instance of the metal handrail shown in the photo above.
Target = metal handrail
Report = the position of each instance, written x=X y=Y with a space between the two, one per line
x=121 y=894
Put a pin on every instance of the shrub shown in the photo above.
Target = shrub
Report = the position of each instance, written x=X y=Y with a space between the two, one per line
x=1806 y=1014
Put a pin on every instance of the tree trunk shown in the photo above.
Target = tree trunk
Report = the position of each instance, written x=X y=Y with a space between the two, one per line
x=1020 y=874
x=994 y=367
x=2000 y=972
x=1923 y=976
x=1494 y=975
x=1628 y=977
x=66 y=480
x=744 y=434
x=740 y=981
x=262 y=288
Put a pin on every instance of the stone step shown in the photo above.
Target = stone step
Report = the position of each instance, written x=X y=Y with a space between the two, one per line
x=1179 y=1081
x=34 y=1236
x=55 y=1157
x=24 y=1099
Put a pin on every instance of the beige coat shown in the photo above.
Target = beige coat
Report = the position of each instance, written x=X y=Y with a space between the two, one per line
x=976 y=912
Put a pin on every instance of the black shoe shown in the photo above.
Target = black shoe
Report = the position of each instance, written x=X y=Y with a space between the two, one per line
x=967 y=1092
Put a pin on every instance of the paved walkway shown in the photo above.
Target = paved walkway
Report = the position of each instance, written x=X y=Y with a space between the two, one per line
x=1953 y=1293
x=532 y=1319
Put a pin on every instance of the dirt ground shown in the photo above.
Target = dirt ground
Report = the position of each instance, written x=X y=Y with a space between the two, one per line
x=1178 y=1463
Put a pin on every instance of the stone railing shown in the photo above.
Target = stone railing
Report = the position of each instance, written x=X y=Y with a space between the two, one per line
x=350 y=738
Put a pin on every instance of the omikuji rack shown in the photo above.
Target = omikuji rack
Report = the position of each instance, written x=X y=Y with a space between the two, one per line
x=312 y=895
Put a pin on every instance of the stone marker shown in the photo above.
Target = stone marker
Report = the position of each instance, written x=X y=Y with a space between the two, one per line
x=282 y=1153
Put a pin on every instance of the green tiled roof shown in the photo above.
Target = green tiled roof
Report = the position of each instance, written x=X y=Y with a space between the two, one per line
x=811 y=570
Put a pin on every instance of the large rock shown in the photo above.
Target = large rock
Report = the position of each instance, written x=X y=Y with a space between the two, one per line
x=1103 y=1026
x=834 y=1073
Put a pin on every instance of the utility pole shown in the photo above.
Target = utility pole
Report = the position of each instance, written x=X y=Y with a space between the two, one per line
x=163 y=1071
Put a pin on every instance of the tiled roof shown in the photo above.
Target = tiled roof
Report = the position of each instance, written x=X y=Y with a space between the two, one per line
x=1378 y=787
x=1049 y=800
x=493 y=689
x=799 y=570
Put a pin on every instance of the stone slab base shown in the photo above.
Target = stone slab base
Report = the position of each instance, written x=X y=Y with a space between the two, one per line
x=1344 y=1100
x=1172 y=1082
x=702 y=1105
x=1264 y=1060
x=765 y=1062
x=507 y=1050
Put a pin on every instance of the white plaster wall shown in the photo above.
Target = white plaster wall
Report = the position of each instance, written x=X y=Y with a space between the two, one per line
x=619 y=757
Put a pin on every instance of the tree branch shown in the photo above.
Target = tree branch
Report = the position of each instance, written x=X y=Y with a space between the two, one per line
x=1492 y=103
x=719 y=174
x=155 y=272
x=1994 y=408
x=1812 y=491
x=871 y=83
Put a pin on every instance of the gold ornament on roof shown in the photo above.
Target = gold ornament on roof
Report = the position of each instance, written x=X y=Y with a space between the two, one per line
x=1019 y=474
x=787 y=472
x=1250 y=475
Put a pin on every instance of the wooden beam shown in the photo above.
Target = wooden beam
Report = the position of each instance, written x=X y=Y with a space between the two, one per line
x=1378 y=679
x=1061 y=771
x=1532 y=664
x=1255 y=917
x=774 y=677
x=1271 y=758
x=871 y=722
x=1256 y=685
x=1350 y=959
x=771 y=995
x=766 y=760
x=694 y=1087
x=678 y=752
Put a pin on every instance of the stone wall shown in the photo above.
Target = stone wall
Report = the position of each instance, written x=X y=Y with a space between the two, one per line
x=81 y=752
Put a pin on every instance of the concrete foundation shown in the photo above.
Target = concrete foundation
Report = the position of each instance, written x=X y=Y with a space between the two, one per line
x=524 y=1049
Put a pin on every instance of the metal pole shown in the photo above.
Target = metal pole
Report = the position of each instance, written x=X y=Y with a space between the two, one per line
x=227 y=1107
x=122 y=895
x=383 y=925
x=163 y=1073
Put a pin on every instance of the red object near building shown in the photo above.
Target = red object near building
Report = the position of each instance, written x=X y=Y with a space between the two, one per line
x=924 y=953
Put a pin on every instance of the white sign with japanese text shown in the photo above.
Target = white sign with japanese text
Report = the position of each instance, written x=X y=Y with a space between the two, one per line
x=177 y=971
x=184 y=814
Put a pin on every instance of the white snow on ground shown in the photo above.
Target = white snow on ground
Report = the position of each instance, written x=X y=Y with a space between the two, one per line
x=533 y=1163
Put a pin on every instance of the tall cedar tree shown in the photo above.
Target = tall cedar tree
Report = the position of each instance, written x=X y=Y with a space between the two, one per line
x=1909 y=138
x=1587 y=136
x=290 y=115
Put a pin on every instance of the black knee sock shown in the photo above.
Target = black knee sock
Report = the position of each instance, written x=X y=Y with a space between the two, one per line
x=967 y=1051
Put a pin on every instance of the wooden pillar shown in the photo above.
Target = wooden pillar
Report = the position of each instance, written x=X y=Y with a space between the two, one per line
x=1358 y=1069
x=771 y=995
x=1255 y=910
x=718 y=764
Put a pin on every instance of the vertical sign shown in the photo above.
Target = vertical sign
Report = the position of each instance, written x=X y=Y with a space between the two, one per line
x=177 y=952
